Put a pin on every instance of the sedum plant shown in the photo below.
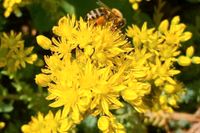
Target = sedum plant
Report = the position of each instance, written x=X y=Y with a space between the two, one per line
x=94 y=70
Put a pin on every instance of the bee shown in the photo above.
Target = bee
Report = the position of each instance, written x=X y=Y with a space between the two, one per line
x=103 y=15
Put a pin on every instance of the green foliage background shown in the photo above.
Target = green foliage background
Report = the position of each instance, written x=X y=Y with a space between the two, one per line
x=20 y=97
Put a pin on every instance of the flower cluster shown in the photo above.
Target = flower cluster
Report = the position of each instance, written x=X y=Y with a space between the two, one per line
x=47 y=124
x=158 y=52
x=93 y=68
x=13 y=55
x=11 y=6
x=82 y=74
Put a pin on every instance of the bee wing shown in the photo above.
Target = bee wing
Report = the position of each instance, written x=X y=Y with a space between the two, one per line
x=101 y=4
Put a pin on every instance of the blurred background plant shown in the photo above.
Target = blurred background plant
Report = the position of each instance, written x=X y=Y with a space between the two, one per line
x=22 y=20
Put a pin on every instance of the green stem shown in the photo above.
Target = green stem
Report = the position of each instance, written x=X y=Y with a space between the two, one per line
x=10 y=97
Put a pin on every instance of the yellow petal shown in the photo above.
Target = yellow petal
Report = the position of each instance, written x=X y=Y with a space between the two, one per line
x=185 y=36
x=32 y=59
x=65 y=111
x=163 y=27
x=57 y=103
x=105 y=106
x=175 y=20
x=76 y=115
x=174 y=72
x=144 y=26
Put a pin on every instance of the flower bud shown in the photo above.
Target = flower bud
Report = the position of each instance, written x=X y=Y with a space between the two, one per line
x=129 y=94
x=190 y=51
x=184 y=61
x=196 y=60
x=42 y=80
x=163 y=99
x=103 y=123
x=169 y=88
x=44 y=42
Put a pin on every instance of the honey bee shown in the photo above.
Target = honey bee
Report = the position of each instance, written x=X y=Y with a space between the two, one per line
x=103 y=15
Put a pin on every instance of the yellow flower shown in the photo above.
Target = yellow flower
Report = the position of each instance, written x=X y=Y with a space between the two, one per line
x=100 y=44
x=13 y=54
x=163 y=72
x=152 y=62
x=11 y=6
x=86 y=88
x=110 y=125
x=140 y=36
x=134 y=3
x=47 y=124
x=170 y=95
x=64 y=86
x=134 y=94
x=81 y=74
x=189 y=58
x=2 y=125
x=174 y=34
x=92 y=67
x=106 y=88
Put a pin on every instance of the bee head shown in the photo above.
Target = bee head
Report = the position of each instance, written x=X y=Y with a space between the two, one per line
x=119 y=23
x=122 y=23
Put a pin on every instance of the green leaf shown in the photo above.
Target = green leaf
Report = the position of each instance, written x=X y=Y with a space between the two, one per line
x=41 y=18
x=89 y=125
x=13 y=127
x=67 y=7
x=5 y=107
x=139 y=18
x=183 y=124
x=17 y=86
x=90 y=121
x=2 y=19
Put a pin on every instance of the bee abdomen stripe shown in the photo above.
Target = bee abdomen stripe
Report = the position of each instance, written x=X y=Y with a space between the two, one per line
x=93 y=14
x=89 y=16
x=98 y=12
